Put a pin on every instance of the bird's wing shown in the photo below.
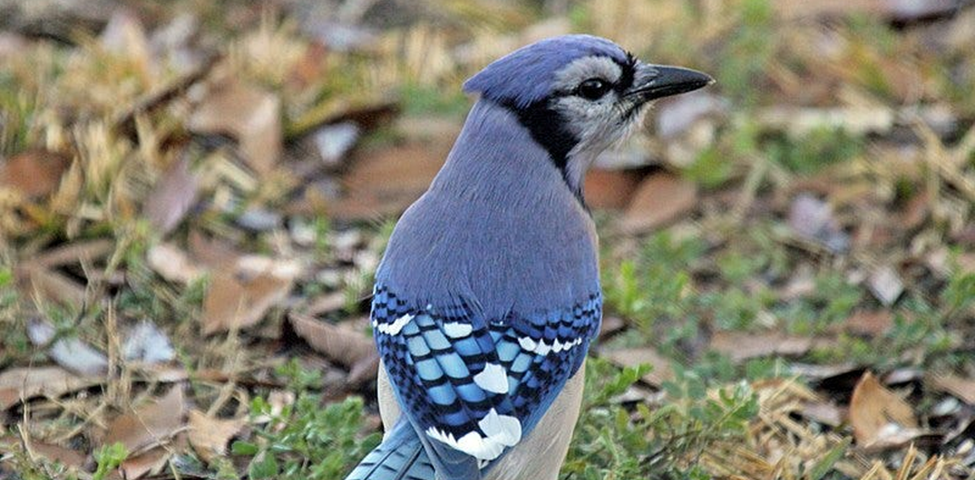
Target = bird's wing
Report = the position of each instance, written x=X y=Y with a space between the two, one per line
x=474 y=389
x=540 y=352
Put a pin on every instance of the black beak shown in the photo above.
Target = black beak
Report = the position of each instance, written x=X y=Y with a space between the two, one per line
x=657 y=81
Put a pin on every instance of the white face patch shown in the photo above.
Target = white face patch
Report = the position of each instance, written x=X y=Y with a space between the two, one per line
x=603 y=68
x=457 y=329
x=493 y=378
x=395 y=327
x=596 y=123
x=499 y=431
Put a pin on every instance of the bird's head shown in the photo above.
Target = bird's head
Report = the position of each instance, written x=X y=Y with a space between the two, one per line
x=578 y=94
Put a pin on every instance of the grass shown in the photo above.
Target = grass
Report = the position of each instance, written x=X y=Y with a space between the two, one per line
x=729 y=266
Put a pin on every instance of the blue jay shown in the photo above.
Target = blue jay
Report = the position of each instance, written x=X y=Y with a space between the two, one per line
x=488 y=295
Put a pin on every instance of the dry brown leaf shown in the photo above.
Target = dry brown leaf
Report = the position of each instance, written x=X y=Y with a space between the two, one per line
x=172 y=197
x=610 y=325
x=337 y=343
x=610 y=188
x=152 y=461
x=209 y=436
x=327 y=303
x=75 y=253
x=27 y=383
x=150 y=424
x=240 y=298
x=251 y=115
x=631 y=357
x=212 y=252
x=740 y=346
x=869 y=323
x=173 y=264
x=388 y=181
x=659 y=200
x=823 y=412
x=55 y=453
x=879 y=417
x=51 y=285
x=34 y=173
x=959 y=387
x=901 y=10
x=800 y=121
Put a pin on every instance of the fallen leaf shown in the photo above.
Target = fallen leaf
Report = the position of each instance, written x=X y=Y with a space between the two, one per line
x=800 y=121
x=71 y=353
x=259 y=219
x=249 y=114
x=870 y=323
x=240 y=297
x=959 y=387
x=332 y=142
x=26 y=383
x=878 y=416
x=610 y=188
x=631 y=357
x=336 y=342
x=826 y=413
x=387 y=181
x=35 y=173
x=172 y=197
x=146 y=343
x=55 y=453
x=212 y=252
x=741 y=346
x=209 y=436
x=75 y=253
x=812 y=219
x=659 y=200
x=898 y=10
x=124 y=35
x=675 y=115
x=363 y=372
x=173 y=264
x=886 y=285
x=327 y=303
x=611 y=325
x=150 y=424
x=51 y=285
x=138 y=466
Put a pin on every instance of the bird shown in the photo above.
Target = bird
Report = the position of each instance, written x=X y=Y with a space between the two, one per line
x=487 y=297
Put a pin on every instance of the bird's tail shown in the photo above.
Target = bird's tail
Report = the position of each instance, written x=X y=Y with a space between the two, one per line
x=399 y=457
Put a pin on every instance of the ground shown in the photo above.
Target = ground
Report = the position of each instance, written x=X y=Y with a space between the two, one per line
x=194 y=196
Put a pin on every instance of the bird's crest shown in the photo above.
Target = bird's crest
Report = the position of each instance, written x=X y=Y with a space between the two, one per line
x=525 y=76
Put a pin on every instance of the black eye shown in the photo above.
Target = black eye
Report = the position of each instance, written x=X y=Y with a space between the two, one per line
x=593 y=88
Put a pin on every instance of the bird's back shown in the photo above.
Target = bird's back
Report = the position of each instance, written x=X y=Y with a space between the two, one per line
x=498 y=226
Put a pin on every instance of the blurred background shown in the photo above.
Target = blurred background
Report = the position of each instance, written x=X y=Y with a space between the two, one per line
x=194 y=196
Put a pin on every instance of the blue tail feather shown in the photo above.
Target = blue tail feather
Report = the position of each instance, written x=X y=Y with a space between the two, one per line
x=399 y=457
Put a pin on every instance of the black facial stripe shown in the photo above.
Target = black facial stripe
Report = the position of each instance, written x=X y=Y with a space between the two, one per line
x=628 y=70
x=547 y=128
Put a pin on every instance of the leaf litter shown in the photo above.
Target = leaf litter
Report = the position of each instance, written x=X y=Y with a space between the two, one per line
x=218 y=197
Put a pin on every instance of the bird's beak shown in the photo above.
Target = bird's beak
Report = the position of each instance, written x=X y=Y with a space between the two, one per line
x=656 y=81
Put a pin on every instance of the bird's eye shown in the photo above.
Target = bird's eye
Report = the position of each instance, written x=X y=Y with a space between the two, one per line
x=593 y=88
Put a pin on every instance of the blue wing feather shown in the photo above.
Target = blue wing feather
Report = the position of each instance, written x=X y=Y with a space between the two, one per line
x=473 y=388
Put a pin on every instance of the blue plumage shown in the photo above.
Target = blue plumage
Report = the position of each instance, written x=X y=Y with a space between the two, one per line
x=525 y=76
x=488 y=295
